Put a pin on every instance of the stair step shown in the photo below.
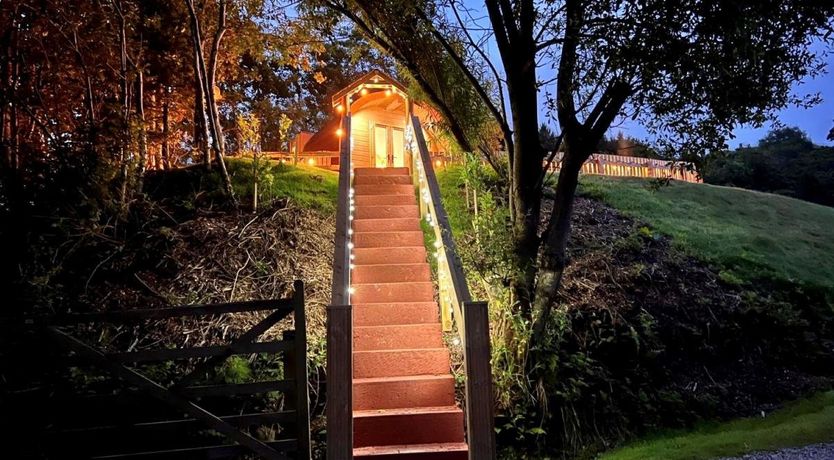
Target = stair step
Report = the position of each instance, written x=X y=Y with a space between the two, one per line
x=387 y=225
x=437 y=451
x=400 y=179
x=398 y=363
x=400 y=392
x=404 y=255
x=383 y=314
x=397 y=336
x=390 y=273
x=426 y=425
x=376 y=200
x=411 y=291
x=380 y=171
x=384 y=189
x=388 y=239
x=386 y=211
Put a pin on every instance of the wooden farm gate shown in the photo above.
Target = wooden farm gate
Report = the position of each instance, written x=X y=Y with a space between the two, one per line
x=65 y=398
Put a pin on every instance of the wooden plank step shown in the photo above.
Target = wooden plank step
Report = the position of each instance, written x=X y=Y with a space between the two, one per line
x=380 y=171
x=398 y=363
x=414 y=291
x=437 y=451
x=424 y=425
x=382 y=314
x=382 y=179
x=384 y=189
x=401 y=392
x=377 y=200
x=386 y=212
x=388 y=239
x=390 y=273
x=397 y=336
x=387 y=225
x=403 y=255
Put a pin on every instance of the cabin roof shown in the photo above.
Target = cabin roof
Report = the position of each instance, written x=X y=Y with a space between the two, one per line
x=326 y=139
x=375 y=76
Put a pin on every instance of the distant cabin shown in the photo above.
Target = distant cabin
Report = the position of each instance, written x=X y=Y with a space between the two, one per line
x=379 y=107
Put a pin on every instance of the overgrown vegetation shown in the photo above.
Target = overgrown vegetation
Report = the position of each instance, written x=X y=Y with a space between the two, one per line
x=649 y=333
x=182 y=244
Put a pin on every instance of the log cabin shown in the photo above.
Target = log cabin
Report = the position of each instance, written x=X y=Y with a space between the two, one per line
x=379 y=107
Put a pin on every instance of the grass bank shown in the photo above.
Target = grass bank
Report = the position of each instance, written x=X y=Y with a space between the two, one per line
x=805 y=422
x=310 y=187
x=750 y=235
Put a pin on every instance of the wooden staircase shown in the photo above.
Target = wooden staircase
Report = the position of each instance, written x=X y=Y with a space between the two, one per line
x=403 y=392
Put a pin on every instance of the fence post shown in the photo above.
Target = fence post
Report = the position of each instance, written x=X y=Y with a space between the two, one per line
x=480 y=421
x=302 y=396
x=339 y=382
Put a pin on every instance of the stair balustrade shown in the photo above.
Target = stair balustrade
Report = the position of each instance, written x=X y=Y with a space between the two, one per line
x=456 y=305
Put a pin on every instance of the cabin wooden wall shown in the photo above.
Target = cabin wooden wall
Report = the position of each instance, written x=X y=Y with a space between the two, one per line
x=361 y=123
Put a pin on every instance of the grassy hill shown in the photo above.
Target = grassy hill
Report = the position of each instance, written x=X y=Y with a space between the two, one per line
x=748 y=234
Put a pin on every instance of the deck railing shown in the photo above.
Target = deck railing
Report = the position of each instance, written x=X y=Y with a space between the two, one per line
x=340 y=317
x=624 y=166
x=456 y=305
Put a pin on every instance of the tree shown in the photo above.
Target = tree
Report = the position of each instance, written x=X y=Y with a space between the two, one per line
x=689 y=70
x=548 y=139
x=205 y=76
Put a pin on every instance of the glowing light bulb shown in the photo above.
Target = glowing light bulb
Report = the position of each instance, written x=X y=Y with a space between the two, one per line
x=350 y=231
x=339 y=132
x=364 y=91
x=311 y=162
x=387 y=92
x=340 y=108
x=350 y=245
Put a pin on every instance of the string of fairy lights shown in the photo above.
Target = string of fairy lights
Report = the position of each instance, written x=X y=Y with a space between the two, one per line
x=444 y=277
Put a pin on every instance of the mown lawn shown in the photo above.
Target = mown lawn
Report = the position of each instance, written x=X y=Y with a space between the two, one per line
x=809 y=421
x=748 y=234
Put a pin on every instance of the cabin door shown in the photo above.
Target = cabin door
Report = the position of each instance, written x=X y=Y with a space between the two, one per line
x=397 y=148
x=380 y=146
x=389 y=147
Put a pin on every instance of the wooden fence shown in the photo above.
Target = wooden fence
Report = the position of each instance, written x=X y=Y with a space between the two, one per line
x=623 y=166
x=65 y=407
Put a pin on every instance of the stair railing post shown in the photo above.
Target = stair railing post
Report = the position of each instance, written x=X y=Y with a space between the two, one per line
x=339 y=379
x=479 y=399
x=339 y=410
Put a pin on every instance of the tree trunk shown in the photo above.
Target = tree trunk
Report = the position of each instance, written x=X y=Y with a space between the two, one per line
x=525 y=193
x=200 y=123
x=166 y=154
x=554 y=254
x=143 y=135
x=124 y=153
x=208 y=100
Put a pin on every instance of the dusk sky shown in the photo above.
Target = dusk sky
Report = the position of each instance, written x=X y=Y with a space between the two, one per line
x=816 y=121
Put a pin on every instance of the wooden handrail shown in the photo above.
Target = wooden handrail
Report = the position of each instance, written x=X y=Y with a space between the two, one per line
x=340 y=294
x=340 y=319
x=472 y=318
